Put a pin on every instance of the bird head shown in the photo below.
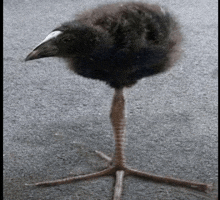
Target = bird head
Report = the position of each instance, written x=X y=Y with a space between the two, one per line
x=66 y=41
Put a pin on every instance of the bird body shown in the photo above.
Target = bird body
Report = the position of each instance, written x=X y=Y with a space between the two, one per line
x=119 y=43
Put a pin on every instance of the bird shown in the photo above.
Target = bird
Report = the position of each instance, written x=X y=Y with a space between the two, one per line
x=119 y=44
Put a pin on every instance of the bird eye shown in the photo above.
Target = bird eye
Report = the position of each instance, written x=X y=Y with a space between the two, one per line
x=66 y=39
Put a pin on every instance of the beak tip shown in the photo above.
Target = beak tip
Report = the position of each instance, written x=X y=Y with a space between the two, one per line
x=31 y=56
x=26 y=59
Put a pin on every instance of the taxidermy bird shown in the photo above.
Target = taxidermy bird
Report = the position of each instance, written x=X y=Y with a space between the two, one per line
x=119 y=44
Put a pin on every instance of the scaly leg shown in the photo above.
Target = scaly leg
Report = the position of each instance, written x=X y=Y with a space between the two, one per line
x=119 y=169
x=118 y=123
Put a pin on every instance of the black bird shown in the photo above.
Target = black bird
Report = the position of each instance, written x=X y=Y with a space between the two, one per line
x=119 y=44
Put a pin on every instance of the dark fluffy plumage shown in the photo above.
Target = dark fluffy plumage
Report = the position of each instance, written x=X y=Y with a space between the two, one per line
x=120 y=43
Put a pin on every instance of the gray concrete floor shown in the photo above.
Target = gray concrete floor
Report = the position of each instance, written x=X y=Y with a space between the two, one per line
x=54 y=120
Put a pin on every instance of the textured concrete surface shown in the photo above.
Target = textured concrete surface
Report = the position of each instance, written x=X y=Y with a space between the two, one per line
x=54 y=119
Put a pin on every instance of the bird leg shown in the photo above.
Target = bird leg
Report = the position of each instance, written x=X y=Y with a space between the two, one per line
x=119 y=168
x=118 y=123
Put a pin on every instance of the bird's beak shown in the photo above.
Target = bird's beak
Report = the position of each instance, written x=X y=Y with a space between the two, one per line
x=47 y=48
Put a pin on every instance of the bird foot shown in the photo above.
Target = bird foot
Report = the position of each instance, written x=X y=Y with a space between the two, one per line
x=170 y=180
x=120 y=172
